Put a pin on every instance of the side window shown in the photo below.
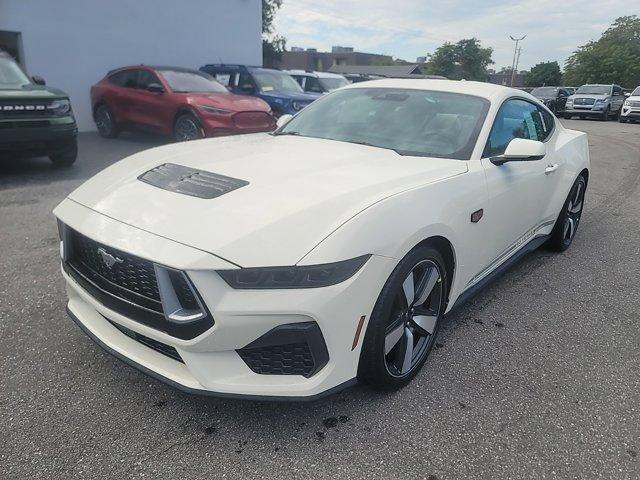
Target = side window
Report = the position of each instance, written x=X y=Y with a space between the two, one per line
x=617 y=90
x=313 y=85
x=515 y=119
x=146 y=78
x=125 y=78
x=548 y=123
x=245 y=80
x=224 y=78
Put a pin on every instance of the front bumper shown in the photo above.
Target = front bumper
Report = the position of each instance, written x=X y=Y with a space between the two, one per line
x=595 y=111
x=36 y=134
x=211 y=363
x=630 y=113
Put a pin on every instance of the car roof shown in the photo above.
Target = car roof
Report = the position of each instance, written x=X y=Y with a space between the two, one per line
x=478 y=89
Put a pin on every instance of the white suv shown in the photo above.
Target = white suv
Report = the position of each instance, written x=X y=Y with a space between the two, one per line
x=318 y=82
x=631 y=109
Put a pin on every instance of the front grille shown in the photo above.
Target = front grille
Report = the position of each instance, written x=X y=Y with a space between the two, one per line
x=128 y=285
x=130 y=277
x=24 y=108
x=253 y=120
x=291 y=359
x=584 y=101
x=159 y=347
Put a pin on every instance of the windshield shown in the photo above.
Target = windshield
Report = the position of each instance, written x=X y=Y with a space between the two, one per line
x=636 y=92
x=411 y=122
x=11 y=75
x=330 y=84
x=182 y=81
x=544 y=92
x=275 y=81
x=594 y=90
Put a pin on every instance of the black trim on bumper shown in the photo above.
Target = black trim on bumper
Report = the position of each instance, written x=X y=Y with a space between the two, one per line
x=15 y=135
x=195 y=391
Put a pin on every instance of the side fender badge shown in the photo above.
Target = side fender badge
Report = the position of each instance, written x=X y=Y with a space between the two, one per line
x=477 y=215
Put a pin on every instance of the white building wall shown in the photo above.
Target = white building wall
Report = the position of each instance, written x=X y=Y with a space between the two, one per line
x=73 y=43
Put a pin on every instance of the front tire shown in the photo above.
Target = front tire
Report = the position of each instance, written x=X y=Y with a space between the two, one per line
x=405 y=320
x=66 y=155
x=187 y=127
x=564 y=231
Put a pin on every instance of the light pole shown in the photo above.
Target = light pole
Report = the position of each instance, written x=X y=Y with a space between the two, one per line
x=515 y=54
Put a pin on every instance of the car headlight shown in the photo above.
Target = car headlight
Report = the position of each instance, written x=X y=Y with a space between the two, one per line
x=627 y=103
x=308 y=276
x=600 y=101
x=297 y=105
x=60 y=107
x=217 y=111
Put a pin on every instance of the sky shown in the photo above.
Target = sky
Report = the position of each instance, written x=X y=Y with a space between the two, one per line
x=410 y=28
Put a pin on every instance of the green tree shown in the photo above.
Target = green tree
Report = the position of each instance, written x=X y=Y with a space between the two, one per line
x=272 y=45
x=465 y=59
x=614 y=58
x=544 y=74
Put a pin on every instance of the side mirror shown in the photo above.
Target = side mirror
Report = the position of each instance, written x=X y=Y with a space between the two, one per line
x=38 y=80
x=521 y=150
x=283 y=120
x=155 y=88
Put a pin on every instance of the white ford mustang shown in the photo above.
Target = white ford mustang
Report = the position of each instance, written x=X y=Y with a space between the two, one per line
x=288 y=265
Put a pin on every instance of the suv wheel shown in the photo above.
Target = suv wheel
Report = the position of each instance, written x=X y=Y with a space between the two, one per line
x=187 y=127
x=66 y=155
x=606 y=114
x=105 y=122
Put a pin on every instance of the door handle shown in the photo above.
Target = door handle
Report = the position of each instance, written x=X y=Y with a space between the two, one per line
x=551 y=168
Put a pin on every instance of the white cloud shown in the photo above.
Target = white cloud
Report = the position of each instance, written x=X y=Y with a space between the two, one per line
x=408 y=28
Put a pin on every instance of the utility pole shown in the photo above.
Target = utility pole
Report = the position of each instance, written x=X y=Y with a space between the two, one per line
x=515 y=55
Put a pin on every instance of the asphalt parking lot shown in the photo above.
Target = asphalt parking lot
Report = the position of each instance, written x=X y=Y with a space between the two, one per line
x=537 y=377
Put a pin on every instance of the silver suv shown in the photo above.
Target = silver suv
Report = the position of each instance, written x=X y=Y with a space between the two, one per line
x=601 y=101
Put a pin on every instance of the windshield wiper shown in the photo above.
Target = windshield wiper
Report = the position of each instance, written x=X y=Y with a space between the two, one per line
x=287 y=133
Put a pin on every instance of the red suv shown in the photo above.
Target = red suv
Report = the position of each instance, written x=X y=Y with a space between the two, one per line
x=185 y=104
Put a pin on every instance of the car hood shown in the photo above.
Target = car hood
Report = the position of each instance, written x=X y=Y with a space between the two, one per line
x=229 y=101
x=32 y=91
x=298 y=97
x=299 y=191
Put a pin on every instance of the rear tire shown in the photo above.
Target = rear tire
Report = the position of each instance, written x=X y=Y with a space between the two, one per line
x=66 y=155
x=567 y=116
x=402 y=332
x=564 y=231
x=105 y=122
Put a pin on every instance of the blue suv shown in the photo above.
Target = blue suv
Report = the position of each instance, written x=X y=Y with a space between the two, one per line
x=277 y=88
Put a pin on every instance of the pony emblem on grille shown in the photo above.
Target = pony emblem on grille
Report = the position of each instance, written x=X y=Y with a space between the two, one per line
x=108 y=259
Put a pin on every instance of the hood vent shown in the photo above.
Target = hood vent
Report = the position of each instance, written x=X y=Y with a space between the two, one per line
x=190 y=181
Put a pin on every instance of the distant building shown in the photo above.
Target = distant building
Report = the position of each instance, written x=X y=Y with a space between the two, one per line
x=297 y=49
x=421 y=60
x=504 y=78
x=394 y=71
x=311 y=59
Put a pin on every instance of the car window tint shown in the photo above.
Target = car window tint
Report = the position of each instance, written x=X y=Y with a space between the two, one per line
x=146 y=78
x=313 y=85
x=245 y=80
x=548 y=123
x=516 y=119
x=125 y=78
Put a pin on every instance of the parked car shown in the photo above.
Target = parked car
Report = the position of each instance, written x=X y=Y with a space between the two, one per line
x=600 y=101
x=275 y=87
x=178 y=102
x=35 y=119
x=289 y=265
x=631 y=107
x=555 y=98
x=318 y=82
x=571 y=90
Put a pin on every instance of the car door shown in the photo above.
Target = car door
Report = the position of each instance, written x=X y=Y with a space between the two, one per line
x=617 y=98
x=517 y=190
x=122 y=90
x=561 y=100
x=149 y=109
